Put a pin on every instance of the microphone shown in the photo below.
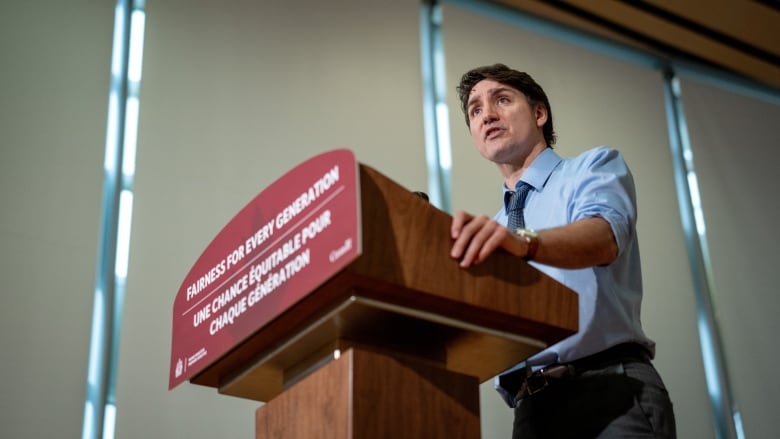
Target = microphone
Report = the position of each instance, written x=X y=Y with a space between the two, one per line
x=422 y=195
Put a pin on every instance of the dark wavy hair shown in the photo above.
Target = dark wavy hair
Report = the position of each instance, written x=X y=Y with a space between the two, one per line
x=520 y=81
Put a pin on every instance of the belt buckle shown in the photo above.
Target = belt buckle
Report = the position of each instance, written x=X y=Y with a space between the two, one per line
x=536 y=382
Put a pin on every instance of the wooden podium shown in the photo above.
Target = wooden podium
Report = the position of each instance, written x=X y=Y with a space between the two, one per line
x=396 y=344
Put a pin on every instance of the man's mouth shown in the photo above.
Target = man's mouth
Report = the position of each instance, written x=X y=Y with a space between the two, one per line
x=492 y=132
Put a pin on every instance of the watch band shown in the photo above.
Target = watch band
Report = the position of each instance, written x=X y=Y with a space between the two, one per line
x=532 y=239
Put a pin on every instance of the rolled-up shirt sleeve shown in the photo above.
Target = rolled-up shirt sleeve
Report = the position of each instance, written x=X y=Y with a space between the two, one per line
x=606 y=189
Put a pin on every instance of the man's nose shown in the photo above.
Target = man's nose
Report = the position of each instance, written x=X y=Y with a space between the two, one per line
x=489 y=114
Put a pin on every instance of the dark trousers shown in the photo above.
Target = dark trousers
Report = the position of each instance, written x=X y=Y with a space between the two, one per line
x=626 y=399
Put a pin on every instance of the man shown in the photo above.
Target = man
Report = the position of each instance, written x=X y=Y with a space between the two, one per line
x=575 y=221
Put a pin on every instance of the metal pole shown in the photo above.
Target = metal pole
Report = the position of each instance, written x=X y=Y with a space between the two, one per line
x=438 y=150
x=724 y=409
x=113 y=250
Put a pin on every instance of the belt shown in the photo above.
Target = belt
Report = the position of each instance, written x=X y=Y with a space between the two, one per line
x=537 y=381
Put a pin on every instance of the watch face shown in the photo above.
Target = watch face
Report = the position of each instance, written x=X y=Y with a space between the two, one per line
x=532 y=239
x=527 y=232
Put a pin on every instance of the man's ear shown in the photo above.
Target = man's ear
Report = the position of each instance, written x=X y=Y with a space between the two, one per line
x=540 y=111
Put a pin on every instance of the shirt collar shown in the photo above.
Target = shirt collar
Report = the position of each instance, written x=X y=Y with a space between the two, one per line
x=540 y=170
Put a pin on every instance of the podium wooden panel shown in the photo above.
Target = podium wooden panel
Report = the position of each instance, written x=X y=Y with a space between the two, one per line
x=366 y=394
x=404 y=317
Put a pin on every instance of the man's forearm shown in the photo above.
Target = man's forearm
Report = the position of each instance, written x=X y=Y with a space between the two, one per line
x=585 y=243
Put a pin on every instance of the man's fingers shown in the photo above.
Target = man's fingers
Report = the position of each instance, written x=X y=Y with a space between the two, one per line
x=458 y=221
x=464 y=227
x=484 y=240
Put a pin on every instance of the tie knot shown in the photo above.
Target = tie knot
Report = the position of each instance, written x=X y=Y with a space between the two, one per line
x=516 y=199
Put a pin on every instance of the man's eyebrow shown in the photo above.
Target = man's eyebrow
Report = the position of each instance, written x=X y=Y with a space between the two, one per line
x=471 y=101
x=491 y=92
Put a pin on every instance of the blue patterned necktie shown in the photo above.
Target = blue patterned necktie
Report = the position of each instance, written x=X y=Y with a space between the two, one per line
x=515 y=201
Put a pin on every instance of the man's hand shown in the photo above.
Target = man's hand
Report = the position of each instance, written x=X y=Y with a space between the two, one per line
x=476 y=237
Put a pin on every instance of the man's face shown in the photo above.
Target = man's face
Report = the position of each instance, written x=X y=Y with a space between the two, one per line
x=504 y=126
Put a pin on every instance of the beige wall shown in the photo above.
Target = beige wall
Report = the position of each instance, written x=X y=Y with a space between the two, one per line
x=53 y=93
x=734 y=142
x=235 y=93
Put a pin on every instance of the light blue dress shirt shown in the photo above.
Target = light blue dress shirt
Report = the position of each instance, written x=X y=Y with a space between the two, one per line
x=597 y=183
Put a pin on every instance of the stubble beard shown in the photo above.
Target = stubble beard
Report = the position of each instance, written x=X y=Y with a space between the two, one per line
x=509 y=153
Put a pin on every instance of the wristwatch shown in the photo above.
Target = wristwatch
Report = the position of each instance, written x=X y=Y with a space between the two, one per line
x=532 y=239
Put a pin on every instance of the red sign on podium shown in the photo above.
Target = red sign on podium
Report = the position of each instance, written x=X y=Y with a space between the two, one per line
x=293 y=236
